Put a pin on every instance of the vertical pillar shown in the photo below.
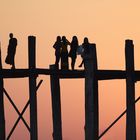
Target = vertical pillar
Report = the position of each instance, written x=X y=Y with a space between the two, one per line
x=56 y=105
x=91 y=95
x=32 y=88
x=2 y=116
x=130 y=91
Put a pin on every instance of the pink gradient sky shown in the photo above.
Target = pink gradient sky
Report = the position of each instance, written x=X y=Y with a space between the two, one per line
x=107 y=23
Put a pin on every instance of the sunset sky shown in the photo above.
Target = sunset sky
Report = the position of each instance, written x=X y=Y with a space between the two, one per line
x=105 y=22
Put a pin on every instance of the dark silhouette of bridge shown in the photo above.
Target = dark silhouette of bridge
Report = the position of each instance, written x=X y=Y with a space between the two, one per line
x=91 y=74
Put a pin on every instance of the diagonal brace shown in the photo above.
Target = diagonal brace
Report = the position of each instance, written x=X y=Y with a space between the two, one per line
x=21 y=114
x=16 y=109
x=116 y=120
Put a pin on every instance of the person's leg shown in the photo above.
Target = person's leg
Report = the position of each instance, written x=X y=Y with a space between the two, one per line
x=81 y=63
x=13 y=66
x=57 y=61
x=62 y=61
x=13 y=63
x=66 y=61
x=73 y=63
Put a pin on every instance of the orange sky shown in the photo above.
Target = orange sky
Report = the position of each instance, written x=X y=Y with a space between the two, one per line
x=107 y=23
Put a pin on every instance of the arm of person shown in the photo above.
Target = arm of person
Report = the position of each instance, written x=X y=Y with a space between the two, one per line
x=68 y=42
x=54 y=46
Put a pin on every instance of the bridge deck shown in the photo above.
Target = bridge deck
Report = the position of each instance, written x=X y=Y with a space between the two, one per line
x=101 y=74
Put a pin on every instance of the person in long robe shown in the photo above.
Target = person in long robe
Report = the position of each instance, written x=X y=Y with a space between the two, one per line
x=10 y=59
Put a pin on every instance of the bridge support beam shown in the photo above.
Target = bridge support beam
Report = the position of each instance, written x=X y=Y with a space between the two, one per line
x=2 y=115
x=130 y=91
x=91 y=95
x=56 y=105
x=32 y=88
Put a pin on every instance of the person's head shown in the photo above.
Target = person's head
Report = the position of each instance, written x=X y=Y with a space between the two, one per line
x=11 y=35
x=86 y=40
x=64 y=39
x=74 y=38
x=58 y=39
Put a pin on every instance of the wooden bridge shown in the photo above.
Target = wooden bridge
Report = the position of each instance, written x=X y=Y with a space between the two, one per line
x=91 y=74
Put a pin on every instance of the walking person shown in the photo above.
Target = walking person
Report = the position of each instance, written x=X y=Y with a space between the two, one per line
x=10 y=59
x=85 y=46
x=73 y=51
x=64 y=53
x=57 y=46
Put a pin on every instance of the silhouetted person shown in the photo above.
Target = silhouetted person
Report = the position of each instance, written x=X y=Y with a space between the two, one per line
x=11 y=51
x=85 y=45
x=57 y=46
x=64 y=53
x=73 y=51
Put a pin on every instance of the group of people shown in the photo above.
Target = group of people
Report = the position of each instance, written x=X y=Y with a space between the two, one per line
x=61 y=51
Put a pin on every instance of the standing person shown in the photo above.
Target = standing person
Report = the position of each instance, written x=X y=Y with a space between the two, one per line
x=85 y=45
x=64 y=53
x=73 y=51
x=57 y=46
x=10 y=59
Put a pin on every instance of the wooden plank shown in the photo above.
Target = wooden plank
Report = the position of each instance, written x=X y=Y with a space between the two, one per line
x=23 y=73
x=32 y=88
x=56 y=105
x=2 y=115
x=137 y=75
x=101 y=74
x=91 y=95
x=110 y=74
x=130 y=91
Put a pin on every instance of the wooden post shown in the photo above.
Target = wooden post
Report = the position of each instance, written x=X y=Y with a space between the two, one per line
x=32 y=88
x=130 y=91
x=91 y=95
x=2 y=116
x=56 y=105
